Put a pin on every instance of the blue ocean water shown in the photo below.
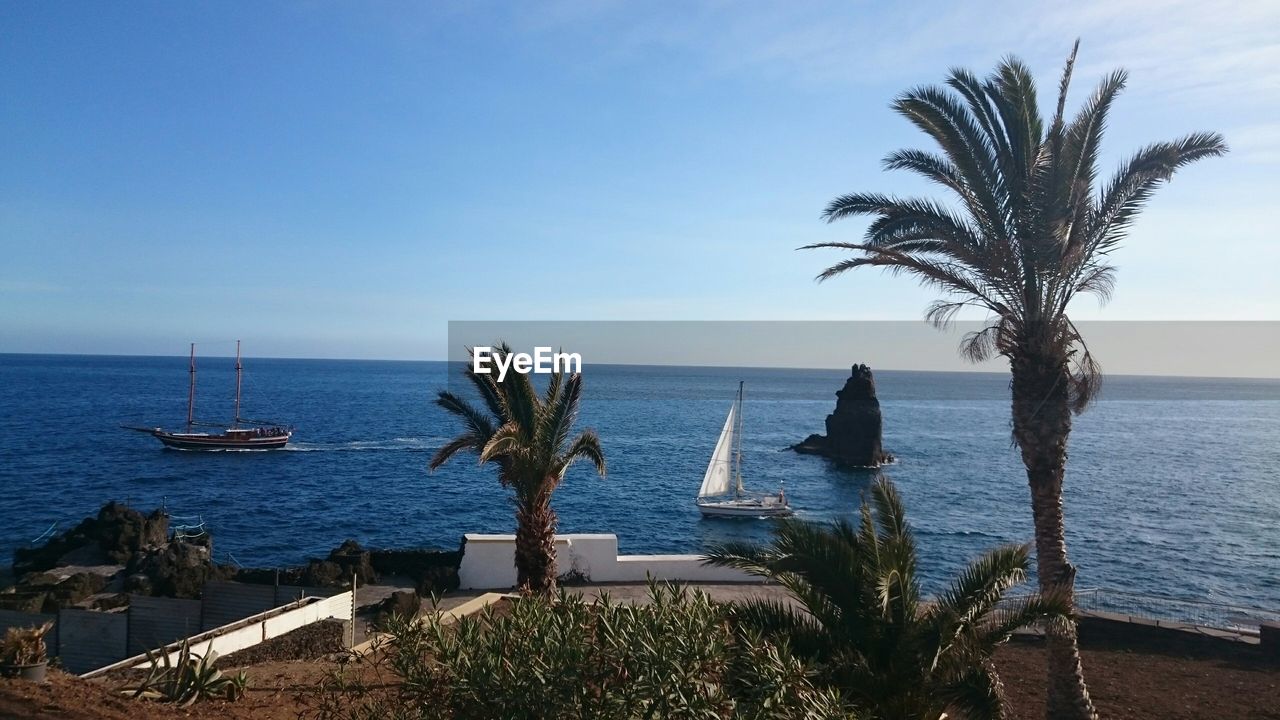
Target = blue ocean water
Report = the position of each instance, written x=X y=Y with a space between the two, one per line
x=1173 y=484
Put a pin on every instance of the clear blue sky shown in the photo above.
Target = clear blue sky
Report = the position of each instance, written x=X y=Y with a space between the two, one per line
x=340 y=179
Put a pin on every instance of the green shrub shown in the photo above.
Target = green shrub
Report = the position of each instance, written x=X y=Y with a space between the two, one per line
x=675 y=657
x=188 y=678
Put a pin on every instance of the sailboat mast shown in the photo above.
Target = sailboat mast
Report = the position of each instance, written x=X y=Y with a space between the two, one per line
x=738 y=459
x=191 y=390
x=239 y=369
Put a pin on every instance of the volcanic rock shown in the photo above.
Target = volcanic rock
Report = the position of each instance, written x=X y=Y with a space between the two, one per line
x=122 y=531
x=179 y=569
x=401 y=604
x=854 y=429
x=116 y=534
x=433 y=571
x=351 y=558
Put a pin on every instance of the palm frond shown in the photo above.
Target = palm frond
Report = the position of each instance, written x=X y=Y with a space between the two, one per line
x=1018 y=613
x=561 y=412
x=975 y=694
x=776 y=619
x=981 y=585
x=587 y=447
x=757 y=560
x=465 y=441
x=504 y=442
x=1136 y=181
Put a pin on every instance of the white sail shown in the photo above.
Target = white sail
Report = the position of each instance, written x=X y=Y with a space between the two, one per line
x=719 y=475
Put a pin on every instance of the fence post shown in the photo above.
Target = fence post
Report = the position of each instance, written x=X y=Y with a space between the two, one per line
x=353 y=611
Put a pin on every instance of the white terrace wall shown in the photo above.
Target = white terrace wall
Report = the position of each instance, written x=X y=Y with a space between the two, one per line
x=488 y=563
x=264 y=626
x=250 y=631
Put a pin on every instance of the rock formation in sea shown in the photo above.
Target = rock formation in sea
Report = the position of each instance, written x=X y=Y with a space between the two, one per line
x=854 y=428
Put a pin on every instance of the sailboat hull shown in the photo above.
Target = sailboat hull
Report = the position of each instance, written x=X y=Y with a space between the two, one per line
x=745 y=507
x=228 y=441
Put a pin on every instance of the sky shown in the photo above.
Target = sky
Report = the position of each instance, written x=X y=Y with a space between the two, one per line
x=343 y=179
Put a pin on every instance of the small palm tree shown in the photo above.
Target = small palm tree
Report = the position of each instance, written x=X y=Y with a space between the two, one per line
x=527 y=437
x=865 y=626
x=1030 y=230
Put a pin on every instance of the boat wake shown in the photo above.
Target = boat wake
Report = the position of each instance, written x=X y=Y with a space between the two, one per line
x=402 y=444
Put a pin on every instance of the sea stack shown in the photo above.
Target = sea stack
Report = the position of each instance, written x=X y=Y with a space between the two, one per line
x=853 y=436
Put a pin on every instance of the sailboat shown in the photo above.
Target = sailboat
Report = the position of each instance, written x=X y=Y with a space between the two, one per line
x=715 y=497
x=258 y=435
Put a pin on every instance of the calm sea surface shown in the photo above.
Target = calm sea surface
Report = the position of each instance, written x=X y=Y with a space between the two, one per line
x=1173 y=485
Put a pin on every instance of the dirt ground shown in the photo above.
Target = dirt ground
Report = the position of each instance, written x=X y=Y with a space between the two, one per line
x=1142 y=685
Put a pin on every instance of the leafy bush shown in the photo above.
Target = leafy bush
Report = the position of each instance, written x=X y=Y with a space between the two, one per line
x=189 y=678
x=675 y=657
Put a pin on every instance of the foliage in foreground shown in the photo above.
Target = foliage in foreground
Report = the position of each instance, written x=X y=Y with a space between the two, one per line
x=675 y=657
x=187 y=679
x=866 y=628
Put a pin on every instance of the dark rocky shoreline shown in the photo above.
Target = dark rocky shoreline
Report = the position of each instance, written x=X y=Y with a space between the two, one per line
x=122 y=551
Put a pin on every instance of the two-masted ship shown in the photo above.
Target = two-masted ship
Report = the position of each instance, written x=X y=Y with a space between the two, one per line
x=244 y=434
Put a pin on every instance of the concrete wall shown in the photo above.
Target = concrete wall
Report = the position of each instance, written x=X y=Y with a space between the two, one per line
x=688 y=568
x=488 y=562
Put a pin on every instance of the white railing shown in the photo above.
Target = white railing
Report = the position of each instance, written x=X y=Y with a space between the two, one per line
x=1203 y=613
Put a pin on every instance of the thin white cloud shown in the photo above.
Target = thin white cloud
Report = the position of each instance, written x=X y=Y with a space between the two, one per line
x=1258 y=144
x=1187 y=51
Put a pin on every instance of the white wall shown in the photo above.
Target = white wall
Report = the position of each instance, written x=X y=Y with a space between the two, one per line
x=689 y=568
x=488 y=562
x=250 y=631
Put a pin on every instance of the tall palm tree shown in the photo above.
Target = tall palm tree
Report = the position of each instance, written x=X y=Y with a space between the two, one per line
x=1029 y=230
x=864 y=625
x=527 y=436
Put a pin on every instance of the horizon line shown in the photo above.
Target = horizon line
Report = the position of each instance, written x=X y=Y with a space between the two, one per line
x=617 y=364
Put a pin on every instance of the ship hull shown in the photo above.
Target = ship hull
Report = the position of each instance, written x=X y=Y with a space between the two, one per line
x=196 y=441
x=745 y=508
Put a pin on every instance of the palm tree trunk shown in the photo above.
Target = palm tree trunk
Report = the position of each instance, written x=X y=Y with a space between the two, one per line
x=1041 y=425
x=536 y=545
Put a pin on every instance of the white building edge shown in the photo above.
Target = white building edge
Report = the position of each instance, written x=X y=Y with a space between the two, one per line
x=488 y=563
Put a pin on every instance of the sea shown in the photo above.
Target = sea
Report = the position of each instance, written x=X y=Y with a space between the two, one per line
x=1173 y=484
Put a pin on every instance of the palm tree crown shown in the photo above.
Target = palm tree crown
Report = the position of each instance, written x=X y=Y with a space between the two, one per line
x=528 y=437
x=1030 y=228
x=864 y=622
